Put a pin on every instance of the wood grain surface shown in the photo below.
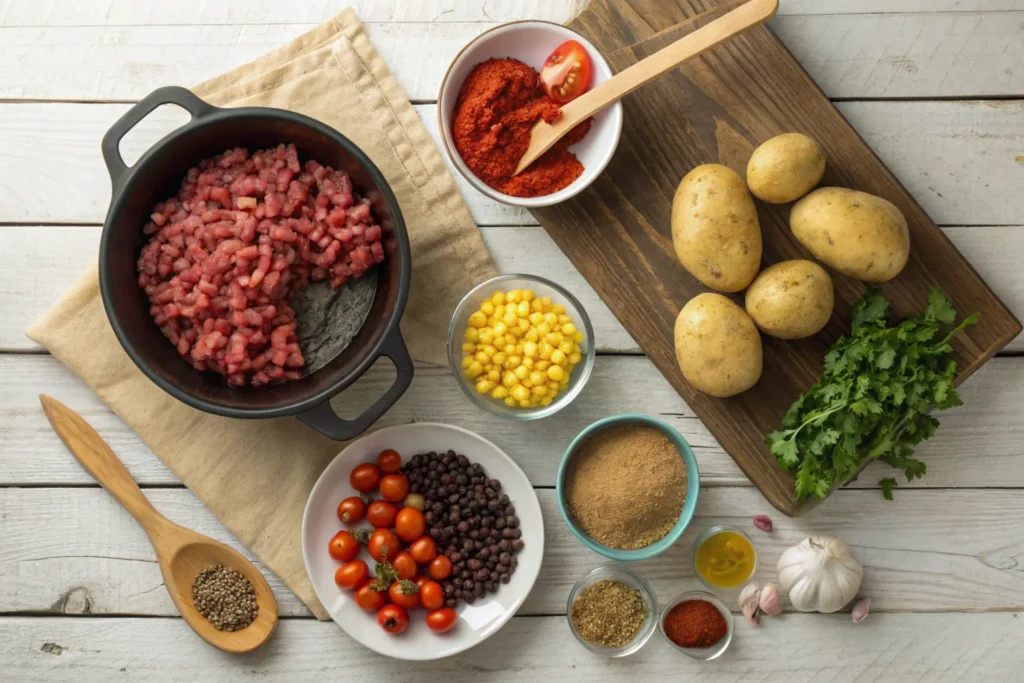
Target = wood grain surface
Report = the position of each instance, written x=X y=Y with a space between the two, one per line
x=718 y=108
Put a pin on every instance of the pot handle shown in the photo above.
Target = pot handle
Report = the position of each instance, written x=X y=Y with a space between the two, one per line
x=323 y=419
x=171 y=94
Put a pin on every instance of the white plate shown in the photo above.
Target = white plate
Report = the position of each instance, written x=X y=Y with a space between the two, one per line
x=478 y=621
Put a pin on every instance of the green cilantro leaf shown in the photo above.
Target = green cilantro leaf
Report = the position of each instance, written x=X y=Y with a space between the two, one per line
x=888 y=484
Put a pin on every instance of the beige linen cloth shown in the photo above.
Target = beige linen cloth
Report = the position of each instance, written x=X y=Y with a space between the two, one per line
x=256 y=475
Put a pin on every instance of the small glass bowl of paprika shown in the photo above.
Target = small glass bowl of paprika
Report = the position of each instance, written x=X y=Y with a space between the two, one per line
x=698 y=624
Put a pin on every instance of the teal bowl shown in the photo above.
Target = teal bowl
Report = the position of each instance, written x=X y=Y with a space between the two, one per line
x=692 y=487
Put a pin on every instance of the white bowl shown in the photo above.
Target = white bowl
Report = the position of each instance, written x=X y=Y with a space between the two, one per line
x=478 y=621
x=531 y=42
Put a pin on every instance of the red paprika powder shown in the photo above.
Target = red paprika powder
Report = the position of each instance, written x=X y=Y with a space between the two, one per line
x=695 y=623
x=498 y=104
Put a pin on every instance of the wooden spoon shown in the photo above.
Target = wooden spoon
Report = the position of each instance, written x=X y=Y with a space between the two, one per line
x=544 y=135
x=182 y=553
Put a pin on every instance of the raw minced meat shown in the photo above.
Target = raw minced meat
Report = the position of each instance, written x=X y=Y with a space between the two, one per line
x=228 y=251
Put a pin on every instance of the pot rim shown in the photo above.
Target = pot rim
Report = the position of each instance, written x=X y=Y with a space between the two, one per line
x=120 y=190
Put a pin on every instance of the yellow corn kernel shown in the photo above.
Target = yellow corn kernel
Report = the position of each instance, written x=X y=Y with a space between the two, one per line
x=471 y=334
x=525 y=404
x=524 y=325
x=576 y=348
x=566 y=347
x=487 y=308
x=539 y=390
x=509 y=349
x=546 y=300
x=545 y=401
x=544 y=350
x=564 y=380
x=494 y=375
x=510 y=317
x=568 y=329
x=509 y=379
x=489 y=349
x=499 y=392
x=500 y=311
x=512 y=297
x=468 y=347
x=554 y=387
x=500 y=340
x=523 y=309
x=482 y=357
x=478 y=319
x=537 y=306
x=575 y=357
x=514 y=361
x=466 y=362
x=530 y=349
x=528 y=363
x=531 y=335
x=522 y=372
x=553 y=338
x=555 y=372
x=558 y=356
x=487 y=336
x=558 y=309
x=484 y=386
x=578 y=337
x=498 y=298
x=520 y=393
x=537 y=377
x=499 y=357
x=536 y=318
x=475 y=369
x=511 y=402
x=543 y=329
x=542 y=365
x=551 y=318
x=527 y=295
x=564 y=319
x=500 y=328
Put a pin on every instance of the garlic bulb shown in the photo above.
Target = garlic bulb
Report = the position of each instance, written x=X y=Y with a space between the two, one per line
x=820 y=574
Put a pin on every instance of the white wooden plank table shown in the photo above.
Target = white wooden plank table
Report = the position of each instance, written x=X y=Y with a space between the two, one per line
x=936 y=87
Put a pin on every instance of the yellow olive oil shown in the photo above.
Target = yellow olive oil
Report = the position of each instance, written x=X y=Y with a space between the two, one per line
x=725 y=559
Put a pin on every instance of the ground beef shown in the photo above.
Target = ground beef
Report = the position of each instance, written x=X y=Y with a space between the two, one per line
x=228 y=251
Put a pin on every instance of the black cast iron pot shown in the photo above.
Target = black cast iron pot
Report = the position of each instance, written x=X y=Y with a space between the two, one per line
x=158 y=175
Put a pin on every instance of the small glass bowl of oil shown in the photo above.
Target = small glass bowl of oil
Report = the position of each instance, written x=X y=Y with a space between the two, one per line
x=724 y=558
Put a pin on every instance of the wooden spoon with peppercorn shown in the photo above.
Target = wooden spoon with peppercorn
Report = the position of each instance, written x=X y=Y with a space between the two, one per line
x=543 y=135
x=183 y=554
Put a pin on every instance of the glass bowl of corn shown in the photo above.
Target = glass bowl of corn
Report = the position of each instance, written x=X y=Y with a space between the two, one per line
x=521 y=346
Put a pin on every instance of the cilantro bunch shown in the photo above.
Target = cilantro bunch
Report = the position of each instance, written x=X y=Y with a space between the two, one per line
x=873 y=399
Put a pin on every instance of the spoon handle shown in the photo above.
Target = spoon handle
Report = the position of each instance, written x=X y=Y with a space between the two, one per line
x=708 y=36
x=92 y=451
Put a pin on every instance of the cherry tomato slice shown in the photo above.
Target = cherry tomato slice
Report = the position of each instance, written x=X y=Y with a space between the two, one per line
x=410 y=524
x=566 y=72
x=393 y=619
x=368 y=599
x=384 y=541
x=421 y=581
x=351 y=574
x=404 y=565
x=389 y=461
x=432 y=595
x=381 y=513
x=351 y=510
x=440 y=568
x=343 y=547
x=405 y=594
x=394 y=487
x=423 y=550
x=365 y=477
x=442 y=620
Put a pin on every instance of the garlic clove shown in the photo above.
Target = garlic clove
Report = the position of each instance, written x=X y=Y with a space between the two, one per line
x=749 y=603
x=860 y=610
x=769 y=601
x=764 y=523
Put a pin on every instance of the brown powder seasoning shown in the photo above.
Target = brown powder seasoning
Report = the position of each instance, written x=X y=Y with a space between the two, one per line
x=626 y=486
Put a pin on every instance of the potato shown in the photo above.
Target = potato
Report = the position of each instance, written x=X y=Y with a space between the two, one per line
x=785 y=168
x=717 y=346
x=856 y=233
x=714 y=228
x=791 y=299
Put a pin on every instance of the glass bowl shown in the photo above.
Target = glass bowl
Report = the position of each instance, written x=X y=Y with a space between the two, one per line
x=613 y=572
x=541 y=287
x=704 y=653
x=708 y=533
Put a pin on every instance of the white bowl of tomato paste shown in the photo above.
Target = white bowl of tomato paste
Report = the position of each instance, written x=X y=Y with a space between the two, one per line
x=498 y=86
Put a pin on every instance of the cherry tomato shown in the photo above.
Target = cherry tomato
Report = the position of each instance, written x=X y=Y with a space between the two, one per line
x=432 y=595
x=393 y=619
x=351 y=510
x=383 y=545
x=440 y=568
x=381 y=514
x=368 y=598
x=423 y=550
x=410 y=524
x=351 y=574
x=365 y=477
x=394 y=487
x=389 y=461
x=404 y=565
x=442 y=620
x=343 y=547
x=421 y=581
x=566 y=72
x=404 y=594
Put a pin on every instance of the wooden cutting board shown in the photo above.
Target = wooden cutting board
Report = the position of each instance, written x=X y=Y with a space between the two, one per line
x=718 y=108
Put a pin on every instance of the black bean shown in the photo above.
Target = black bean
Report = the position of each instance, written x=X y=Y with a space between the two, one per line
x=493 y=506
x=505 y=578
x=517 y=545
x=516 y=533
x=451 y=603
x=462 y=527
x=455 y=557
x=479 y=488
x=478 y=590
x=465 y=574
x=502 y=569
x=467 y=585
x=469 y=598
x=512 y=522
x=458 y=594
x=508 y=533
x=463 y=460
x=503 y=500
x=504 y=545
x=468 y=546
x=499 y=523
x=495 y=550
x=489 y=585
x=435 y=533
x=510 y=510
x=477 y=545
x=474 y=564
x=513 y=563
x=449 y=591
x=494 y=484
x=414 y=487
x=482 y=575
x=484 y=553
x=474 y=505
x=437 y=508
x=446 y=479
x=504 y=558
x=429 y=517
x=495 y=534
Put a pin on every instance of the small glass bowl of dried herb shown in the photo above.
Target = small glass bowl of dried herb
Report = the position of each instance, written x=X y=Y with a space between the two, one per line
x=612 y=611
x=698 y=624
